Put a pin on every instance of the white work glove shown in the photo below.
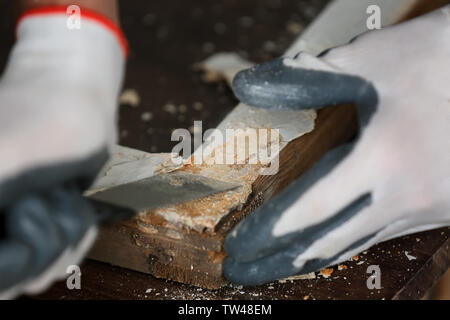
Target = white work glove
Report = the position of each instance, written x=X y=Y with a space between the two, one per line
x=58 y=98
x=393 y=180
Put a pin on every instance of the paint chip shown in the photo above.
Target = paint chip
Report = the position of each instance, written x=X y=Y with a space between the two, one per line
x=130 y=97
x=198 y=106
x=147 y=116
x=410 y=257
x=326 y=273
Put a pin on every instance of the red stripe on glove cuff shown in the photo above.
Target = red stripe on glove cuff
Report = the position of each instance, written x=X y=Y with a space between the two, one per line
x=85 y=14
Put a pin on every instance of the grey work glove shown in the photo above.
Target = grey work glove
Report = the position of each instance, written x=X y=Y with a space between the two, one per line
x=58 y=103
x=394 y=179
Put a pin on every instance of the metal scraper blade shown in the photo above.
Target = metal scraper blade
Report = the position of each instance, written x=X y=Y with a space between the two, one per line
x=161 y=190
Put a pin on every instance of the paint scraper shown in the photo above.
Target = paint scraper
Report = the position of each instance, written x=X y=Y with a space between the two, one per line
x=161 y=190
x=130 y=183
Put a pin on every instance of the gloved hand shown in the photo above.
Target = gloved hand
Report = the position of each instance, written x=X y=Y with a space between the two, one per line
x=393 y=180
x=58 y=98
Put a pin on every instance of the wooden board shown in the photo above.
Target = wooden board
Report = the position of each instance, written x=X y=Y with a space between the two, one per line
x=195 y=256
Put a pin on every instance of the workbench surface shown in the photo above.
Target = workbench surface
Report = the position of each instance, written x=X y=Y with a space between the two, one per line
x=401 y=278
x=166 y=41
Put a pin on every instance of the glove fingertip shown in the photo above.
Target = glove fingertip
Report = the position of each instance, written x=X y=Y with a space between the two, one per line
x=263 y=86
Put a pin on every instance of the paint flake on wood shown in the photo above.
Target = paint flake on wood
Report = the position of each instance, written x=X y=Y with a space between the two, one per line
x=203 y=215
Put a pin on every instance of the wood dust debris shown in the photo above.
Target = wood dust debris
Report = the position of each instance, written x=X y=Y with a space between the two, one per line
x=410 y=257
x=326 y=273
x=294 y=28
x=309 y=276
x=170 y=108
x=147 y=116
x=130 y=97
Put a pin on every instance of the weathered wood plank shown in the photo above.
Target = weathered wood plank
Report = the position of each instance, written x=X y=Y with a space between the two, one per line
x=195 y=257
